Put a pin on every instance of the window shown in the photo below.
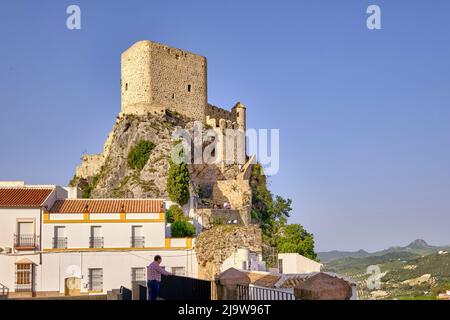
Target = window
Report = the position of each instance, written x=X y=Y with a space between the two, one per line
x=189 y=88
x=96 y=240
x=25 y=238
x=126 y=86
x=179 y=271
x=24 y=277
x=60 y=240
x=95 y=279
x=280 y=265
x=138 y=275
x=137 y=239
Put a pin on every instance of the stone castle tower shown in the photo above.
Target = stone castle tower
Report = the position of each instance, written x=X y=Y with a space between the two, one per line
x=157 y=78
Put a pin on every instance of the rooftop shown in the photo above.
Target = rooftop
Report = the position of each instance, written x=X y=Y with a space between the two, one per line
x=20 y=197
x=108 y=206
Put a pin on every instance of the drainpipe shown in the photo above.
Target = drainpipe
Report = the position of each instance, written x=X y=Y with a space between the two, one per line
x=40 y=237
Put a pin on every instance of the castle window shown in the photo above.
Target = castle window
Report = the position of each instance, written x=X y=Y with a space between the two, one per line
x=189 y=88
x=126 y=86
x=173 y=96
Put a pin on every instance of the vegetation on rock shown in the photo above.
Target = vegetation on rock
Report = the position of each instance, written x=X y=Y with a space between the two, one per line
x=139 y=154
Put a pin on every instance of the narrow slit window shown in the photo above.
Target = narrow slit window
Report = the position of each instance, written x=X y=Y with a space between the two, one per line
x=189 y=88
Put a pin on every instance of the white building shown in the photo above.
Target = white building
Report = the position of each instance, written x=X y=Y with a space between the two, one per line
x=293 y=263
x=243 y=259
x=53 y=245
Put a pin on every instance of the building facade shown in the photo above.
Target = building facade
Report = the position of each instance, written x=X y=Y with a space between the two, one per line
x=52 y=245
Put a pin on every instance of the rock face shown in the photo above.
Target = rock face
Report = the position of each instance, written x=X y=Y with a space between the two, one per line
x=214 y=246
x=108 y=175
x=115 y=178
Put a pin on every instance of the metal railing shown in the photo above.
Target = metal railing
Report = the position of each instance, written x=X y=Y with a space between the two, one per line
x=4 y=291
x=59 y=243
x=26 y=241
x=184 y=288
x=96 y=242
x=258 y=293
x=137 y=242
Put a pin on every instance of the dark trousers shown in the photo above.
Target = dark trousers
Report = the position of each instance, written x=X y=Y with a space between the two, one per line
x=153 y=289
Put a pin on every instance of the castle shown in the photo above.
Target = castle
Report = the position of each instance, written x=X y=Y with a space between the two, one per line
x=157 y=78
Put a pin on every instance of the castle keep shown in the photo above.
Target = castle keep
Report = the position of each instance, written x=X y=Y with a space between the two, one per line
x=157 y=78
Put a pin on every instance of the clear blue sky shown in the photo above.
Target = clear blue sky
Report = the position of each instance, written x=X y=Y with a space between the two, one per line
x=363 y=115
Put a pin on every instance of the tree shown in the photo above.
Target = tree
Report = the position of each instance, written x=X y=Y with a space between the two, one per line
x=178 y=182
x=182 y=229
x=294 y=238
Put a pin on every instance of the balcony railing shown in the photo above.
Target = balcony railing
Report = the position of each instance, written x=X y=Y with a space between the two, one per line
x=59 y=243
x=137 y=242
x=26 y=242
x=96 y=242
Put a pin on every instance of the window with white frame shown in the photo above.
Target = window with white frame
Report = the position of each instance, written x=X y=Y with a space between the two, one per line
x=59 y=238
x=96 y=239
x=96 y=279
x=137 y=238
x=138 y=275
x=25 y=237
x=24 y=277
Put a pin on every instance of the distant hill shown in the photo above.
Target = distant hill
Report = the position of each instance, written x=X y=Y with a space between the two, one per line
x=416 y=271
x=335 y=254
x=418 y=247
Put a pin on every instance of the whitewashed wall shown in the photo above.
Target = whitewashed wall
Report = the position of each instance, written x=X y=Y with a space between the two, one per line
x=116 y=235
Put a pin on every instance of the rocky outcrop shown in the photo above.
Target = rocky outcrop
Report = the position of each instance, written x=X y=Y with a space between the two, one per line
x=108 y=175
x=214 y=246
x=115 y=178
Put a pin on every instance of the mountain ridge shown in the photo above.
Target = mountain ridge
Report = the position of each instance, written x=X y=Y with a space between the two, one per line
x=418 y=246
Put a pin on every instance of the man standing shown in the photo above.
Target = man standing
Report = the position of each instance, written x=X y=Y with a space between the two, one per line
x=154 y=272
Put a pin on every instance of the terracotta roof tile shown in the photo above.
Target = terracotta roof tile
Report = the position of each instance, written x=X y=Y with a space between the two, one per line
x=23 y=197
x=263 y=280
x=107 y=206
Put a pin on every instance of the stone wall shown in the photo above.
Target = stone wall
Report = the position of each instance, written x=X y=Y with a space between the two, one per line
x=214 y=246
x=157 y=77
x=90 y=166
x=211 y=216
x=236 y=192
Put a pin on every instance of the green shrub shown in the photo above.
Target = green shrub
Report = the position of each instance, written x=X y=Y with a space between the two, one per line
x=139 y=154
x=178 y=182
x=175 y=213
x=182 y=229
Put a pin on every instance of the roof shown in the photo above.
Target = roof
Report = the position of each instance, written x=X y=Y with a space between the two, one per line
x=107 y=206
x=24 y=261
x=24 y=197
x=263 y=279
x=293 y=280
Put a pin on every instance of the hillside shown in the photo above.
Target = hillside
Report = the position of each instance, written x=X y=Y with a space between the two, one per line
x=418 y=247
x=413 y=271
